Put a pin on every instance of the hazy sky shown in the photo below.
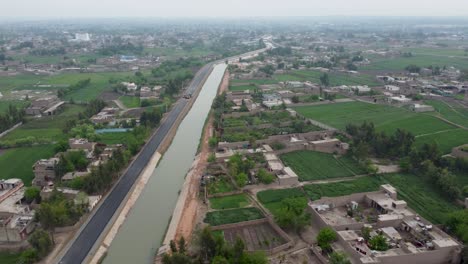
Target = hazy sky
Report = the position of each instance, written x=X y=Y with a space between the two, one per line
x=233 y=8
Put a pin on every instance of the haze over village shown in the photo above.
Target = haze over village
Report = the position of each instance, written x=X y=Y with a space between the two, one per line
x=247 y=133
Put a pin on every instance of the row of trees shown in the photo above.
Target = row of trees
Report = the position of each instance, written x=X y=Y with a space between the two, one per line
x=11 y=117
x=71 y=161
x=367 y=141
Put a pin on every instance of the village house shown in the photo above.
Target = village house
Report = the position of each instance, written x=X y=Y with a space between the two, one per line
x=411 y=238
x=45 y=106
x=107 y=115
x=44 y=172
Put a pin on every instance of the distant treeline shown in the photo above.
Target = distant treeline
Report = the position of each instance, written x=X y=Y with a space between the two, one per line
x=77 y=86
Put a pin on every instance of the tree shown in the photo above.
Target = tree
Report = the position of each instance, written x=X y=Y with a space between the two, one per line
x=182 y=245
x=173 y=246
x=378 y=243
x=213 y=142
x=29 y=256
x=32 y=194
x=413 y=68
x=295 y=99
x=324 y=81
x=325 y=237
x=265 y=177
x=292 y=214
x=241 y=179
x=339 y=258
x=40 y=240
x=366 y=232
x=457 y=223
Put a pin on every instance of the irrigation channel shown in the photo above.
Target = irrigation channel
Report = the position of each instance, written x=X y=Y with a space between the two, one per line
x=140 y=236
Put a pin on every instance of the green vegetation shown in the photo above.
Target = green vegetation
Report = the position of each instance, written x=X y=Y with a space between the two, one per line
x=220 y=185
x=335 y=79
x=378 y=243
x=242 y=87
x=421 y=195
x=47 y=128
x=292 y=214
x=385 y=118
x=18 y=162
x=453 y=114
x=130 y=101
x=325 y=238
x=421 y=60
x=233 y=216
x=311 y=165
x=114 y=138
x=228 y=202
x=10 y=258
x=4 y=104
x=446 y=140
x=272 y=199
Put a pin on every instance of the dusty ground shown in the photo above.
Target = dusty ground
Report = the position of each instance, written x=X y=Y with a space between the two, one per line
x=193 y=206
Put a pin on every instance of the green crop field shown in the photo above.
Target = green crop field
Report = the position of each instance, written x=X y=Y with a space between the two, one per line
x=310 y=165
x=453 y=114
x=271 y=199
x=99 y=83
x=17 y=163
x=253 y=81
x=437 y=51
x=233 y=216
x=173 y=53
x=385 y=118
x=228 y=202
x=446 y=140
x=420 y=195
x=47 y=127
x=421 y=60
x=364 y=184
x=336 y=79
x=130 y=101
x=113 y=138
x=242 y=87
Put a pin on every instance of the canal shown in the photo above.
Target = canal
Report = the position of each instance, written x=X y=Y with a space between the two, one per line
x=140 y=236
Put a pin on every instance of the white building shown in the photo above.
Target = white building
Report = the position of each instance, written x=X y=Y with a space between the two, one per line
x=82 y=37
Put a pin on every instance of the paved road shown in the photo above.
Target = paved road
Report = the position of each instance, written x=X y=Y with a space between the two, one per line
x=81 y=246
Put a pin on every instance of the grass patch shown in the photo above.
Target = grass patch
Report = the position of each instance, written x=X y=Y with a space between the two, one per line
x=18 y=162
x=233 y=216
x=228 y=202
x=421 y=60
x=311 y=165
x=253 y=81
x=130 y=101
x=4 y=104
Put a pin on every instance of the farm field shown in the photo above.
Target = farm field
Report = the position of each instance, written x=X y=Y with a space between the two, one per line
x=310 y=165
x=446 y=140
x=437 y=51
x=253 y=81
x=47 y=127
x=256 y=237
x=229 y=202
x=453 y=114
x=173 y=53
x=385 y=118
x=336 y=79
x=130 y=101
x=421 y=60
x=99 y=83
x=17 y=162
x=242 y=87
x=271 y=199
x=113 y=138
x=230 y=216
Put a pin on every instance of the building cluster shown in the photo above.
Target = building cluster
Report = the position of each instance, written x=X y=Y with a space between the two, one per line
x=45 y=106
x=409 y=237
